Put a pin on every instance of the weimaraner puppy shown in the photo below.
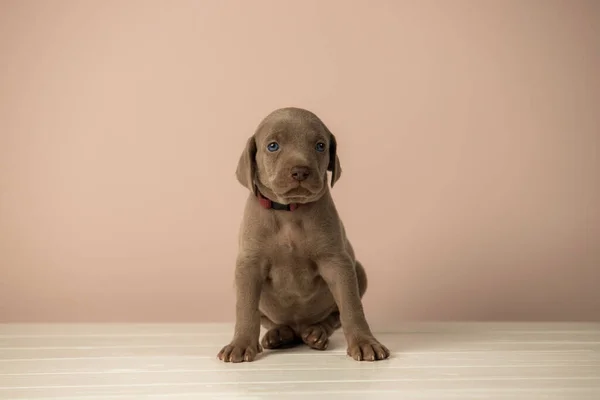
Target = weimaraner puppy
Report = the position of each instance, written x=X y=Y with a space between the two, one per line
x=296 y=272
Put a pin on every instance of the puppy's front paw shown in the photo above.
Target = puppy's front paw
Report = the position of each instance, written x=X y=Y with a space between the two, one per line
x=239 y=351
x=367 y=349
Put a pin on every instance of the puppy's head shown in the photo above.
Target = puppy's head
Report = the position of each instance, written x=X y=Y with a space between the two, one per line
x=288 y=157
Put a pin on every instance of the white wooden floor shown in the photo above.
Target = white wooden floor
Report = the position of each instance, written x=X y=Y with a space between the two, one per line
x=429 y=361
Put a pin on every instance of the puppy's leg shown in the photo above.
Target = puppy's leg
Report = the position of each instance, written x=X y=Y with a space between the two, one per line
x=244 y=345
x=317 y=336
x=278 y=336
x=361 y=278
x=342 y=276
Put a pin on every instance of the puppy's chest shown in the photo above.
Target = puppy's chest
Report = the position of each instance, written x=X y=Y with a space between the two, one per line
x=290 y=239
x=290 y=247
x=292 y=270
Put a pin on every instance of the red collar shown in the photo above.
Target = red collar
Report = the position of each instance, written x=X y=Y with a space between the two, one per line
x=270 y=204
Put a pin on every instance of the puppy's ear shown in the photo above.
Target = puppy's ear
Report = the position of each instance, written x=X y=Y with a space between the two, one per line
x=334 y=161
x=246 y=168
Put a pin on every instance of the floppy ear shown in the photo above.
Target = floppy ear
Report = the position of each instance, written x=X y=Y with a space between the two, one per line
x=246 y=169
x=334 y=161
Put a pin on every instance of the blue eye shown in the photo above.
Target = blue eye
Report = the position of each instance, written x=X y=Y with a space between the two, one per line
x=273 y=146
x=320 y=147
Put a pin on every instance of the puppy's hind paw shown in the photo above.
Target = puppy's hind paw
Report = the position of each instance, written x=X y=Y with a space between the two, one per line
x=315 y=337
x=280 y=337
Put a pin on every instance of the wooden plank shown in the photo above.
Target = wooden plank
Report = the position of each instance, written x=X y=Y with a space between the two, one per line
x=430 y=361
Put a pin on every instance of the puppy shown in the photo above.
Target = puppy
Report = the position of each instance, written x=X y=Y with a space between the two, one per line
x=296 y=273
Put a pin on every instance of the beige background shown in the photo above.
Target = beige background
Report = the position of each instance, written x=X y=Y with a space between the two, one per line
x=469 y=134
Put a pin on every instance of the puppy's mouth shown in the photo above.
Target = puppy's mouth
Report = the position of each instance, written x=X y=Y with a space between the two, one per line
x=297 y=193
x=298 y=190
x=286 y=191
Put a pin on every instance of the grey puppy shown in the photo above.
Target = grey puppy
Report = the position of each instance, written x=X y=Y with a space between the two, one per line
x=296 y=272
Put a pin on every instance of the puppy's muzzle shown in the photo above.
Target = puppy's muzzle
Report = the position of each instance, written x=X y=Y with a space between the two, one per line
x=300 y=173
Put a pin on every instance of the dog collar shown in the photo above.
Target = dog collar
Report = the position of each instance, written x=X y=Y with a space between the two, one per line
x=270 y=204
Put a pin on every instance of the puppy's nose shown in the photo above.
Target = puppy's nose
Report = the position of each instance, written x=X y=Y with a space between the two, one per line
x=300 y=173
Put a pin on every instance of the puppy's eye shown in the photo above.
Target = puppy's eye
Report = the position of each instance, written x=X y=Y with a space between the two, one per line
x=320 y=147
x=273 y=146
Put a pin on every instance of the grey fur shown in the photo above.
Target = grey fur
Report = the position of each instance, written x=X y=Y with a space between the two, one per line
x=296 y=271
